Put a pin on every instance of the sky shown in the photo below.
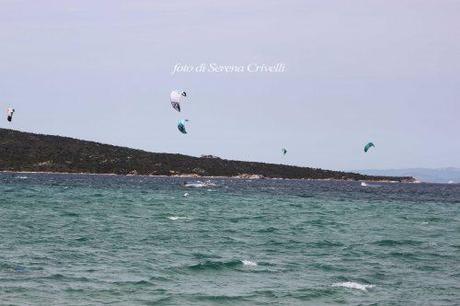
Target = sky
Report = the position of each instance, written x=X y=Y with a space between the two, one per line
x=355 y=71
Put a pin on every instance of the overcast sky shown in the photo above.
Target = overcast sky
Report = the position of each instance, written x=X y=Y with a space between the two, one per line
x=356 y=71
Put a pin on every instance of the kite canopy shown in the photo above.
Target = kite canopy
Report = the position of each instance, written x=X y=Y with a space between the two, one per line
x=10 y=112
x=177 y=98
x=284 y=151
x=181 y=126
x=368 y=146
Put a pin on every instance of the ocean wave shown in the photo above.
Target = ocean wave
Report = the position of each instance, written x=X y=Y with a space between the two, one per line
x=269 y=229
x=353 y=285
x=204 y=256
x=60 y=277
x=405 y=255
x=200 y=184
x=308 y=294
x=69 y=214
x=324 y=267
x=195 y=185
x=249 y=263
x=19 y=269
x=390 y=242
x=215 y=265
x=324 y=244
x=221 y=298
x=219 y=265
x=133 y=283
x=267 y=293
x=364 y=184
x=174 y=218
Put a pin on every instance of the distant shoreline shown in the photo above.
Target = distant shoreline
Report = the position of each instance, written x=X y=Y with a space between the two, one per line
x=194 y=176
x=37 y=153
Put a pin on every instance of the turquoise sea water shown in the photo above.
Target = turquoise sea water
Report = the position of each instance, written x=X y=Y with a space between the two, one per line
x=89 y=240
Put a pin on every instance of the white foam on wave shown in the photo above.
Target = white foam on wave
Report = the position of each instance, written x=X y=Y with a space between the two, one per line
x=200 y=184
x=22 y=177
x=364 y=184
x=353 y=285
x=195 y=185
x=249 y=263
x=174 y=218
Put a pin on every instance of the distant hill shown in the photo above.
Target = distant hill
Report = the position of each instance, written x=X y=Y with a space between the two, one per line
x=20 y=151
x=440 y=175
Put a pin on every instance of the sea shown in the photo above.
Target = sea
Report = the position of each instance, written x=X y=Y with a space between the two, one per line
x=137 y=240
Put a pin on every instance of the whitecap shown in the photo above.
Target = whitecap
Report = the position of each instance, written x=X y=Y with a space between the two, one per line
x=249 y=263
x=174 y=218
x=353 y=285
x=22 y=177
x=364 y=184
x=195 y=185
x=200 y=184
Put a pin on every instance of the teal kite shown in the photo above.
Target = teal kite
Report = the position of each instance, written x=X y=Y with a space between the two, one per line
x=181 y=126
x=368 y=146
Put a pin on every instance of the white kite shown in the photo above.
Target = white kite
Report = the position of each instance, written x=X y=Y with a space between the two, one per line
x=177 y=98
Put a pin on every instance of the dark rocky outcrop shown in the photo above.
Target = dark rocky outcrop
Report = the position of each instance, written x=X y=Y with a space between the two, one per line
x=20 y=151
